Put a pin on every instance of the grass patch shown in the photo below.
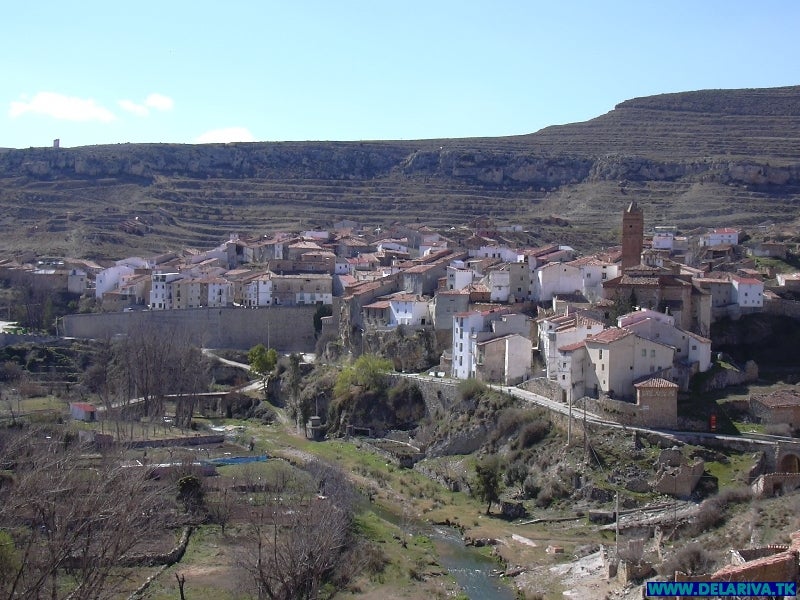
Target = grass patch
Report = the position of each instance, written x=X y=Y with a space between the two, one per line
x=733 y=472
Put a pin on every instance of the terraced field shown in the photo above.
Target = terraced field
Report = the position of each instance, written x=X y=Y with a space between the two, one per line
x=706 y=158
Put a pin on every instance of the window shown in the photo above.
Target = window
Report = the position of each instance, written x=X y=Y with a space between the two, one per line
x=652 y=353
x=563 y=378
x=601 y=354
x=644 y=352
x=694 y=346
x=602 y=366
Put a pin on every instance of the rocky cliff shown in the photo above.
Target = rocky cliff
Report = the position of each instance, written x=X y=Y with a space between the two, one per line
x=698 y=158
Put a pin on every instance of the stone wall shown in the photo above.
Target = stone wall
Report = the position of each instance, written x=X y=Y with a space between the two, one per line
x=287 y=329
x=681 y=481
x=439 y=394
x=544 y=387
x=771 y=484
x=779 y=306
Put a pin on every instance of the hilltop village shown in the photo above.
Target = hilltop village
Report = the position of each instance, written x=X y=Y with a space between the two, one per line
x=622 y=323
x=450 y=318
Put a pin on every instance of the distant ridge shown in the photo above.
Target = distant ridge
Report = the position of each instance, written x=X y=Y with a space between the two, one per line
x=709 y=157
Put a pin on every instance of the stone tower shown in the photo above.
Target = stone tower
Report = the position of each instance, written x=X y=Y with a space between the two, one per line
x=632 y=235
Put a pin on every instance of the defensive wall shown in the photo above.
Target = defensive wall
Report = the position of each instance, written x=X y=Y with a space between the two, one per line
x=287 y=329
x=782 y=307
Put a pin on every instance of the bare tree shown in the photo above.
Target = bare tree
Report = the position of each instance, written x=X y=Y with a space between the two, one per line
x=71 y=525
x=155 y=361
x=191 y=375
x=298 y=536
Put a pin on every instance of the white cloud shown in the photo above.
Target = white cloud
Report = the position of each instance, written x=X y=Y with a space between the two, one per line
x=132 y=107
x=226 y=135
x=59 y=106
x=159 y=102
x=154 y=101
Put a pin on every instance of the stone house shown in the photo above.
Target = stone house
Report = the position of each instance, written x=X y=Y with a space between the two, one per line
x=657 y=399
x=617 y=357
x=446 y=304
x=302 y=289
x=778 y=407
x=505 y=359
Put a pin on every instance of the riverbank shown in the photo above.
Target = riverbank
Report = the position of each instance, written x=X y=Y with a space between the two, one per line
x=403 y=497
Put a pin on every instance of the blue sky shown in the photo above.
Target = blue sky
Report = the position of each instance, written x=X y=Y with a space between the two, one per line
x=91 y=72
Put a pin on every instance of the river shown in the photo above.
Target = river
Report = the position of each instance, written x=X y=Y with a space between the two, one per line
x=471 y=569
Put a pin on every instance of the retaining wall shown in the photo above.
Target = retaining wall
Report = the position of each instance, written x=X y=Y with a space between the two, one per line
x=287 y=329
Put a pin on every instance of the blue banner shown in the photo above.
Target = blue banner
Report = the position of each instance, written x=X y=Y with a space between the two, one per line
x=660 y=589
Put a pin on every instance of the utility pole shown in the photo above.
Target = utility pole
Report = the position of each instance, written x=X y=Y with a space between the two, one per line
x=616 y=524
x=569 y=421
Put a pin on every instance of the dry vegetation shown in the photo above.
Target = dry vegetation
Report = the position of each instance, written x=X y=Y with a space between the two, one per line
x=694 y=159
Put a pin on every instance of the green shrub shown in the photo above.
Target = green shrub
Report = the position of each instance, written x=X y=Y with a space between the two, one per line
x=533 y=433
x=471 y=389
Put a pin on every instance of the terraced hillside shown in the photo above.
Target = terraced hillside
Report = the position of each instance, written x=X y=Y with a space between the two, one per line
x=713 y=157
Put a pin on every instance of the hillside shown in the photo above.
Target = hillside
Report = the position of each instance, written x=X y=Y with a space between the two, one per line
x=705 y=158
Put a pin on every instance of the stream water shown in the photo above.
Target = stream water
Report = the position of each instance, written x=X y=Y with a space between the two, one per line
x=471 y=569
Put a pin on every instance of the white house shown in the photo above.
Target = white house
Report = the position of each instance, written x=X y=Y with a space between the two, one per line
x=458 y=278
x=617 y=357
x=663 y=240
x=474 y=327
x=499 y=283
x=504 y=253
x=465 y=325
x=748 y=292
x=320 y=236
x=220 y=292
x=609 y=362
x=409 y=309
x=505 y=359
x=258 y=291
x=398 y=245
x=161 y=290
x=718 y=237
x=653 y=325
x=593 y=272
x=563 y=330
x=555 y=278
x=109 y=279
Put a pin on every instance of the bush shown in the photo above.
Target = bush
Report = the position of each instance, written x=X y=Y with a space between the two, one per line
x=265 y=413
x=531 y=487
x=713 y=511
x=516 y=473
x=533 y=433
x=471 y=389
x=551 y=490
x=783 y=429
x=691 y=559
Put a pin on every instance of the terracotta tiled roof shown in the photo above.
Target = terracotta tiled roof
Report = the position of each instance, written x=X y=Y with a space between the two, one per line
x=572 y=347
x=612 y=334
x=655 y=382
x=381 y=304
x=779 y=399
